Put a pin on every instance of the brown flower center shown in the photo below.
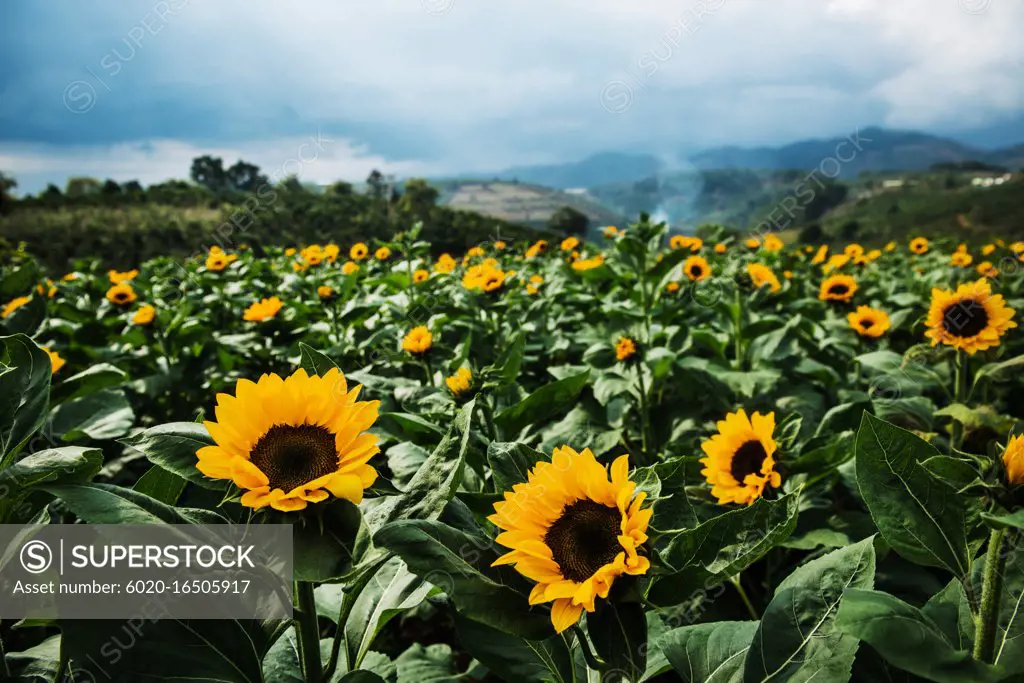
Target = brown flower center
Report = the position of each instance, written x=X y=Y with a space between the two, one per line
x=838 y=290
x=747 y=459
x=584 y=538
x=696 y=270
x=292 y=455
x=867 y=323
x=965 y=318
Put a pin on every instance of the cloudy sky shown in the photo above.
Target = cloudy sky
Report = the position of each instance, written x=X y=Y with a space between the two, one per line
x=332 y=89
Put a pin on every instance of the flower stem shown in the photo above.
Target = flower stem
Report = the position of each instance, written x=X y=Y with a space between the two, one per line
x=735 y=581
x=737 y=320
x=307 y=632
x=960 y=387
x=485 y=408
x=987 y=623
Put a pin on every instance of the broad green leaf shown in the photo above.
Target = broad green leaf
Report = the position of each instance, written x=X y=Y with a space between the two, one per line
x=619 y=633
x=404 y=460
x=510 y=463
x=160 y=484
x=103 y=414
x=430 y=664
x=392 y=590
x=327 y=546
x=19 y=281
x=108 y=504
x=1000 y=372
x=709 y=653
x=797 y=639
x=27 y=319
x=541 y=405
x=1011 y=521
x=511 y=359
x=94 y=378
x=38 y=663
x=516 y=659
x=921 y=517
x=978 y=417
x=314 y=362
x=950 y=610
x=459 y=564
x=825 y=456
x=25 y=372
x=67 y=464
x=173 y=447
x=906 y=638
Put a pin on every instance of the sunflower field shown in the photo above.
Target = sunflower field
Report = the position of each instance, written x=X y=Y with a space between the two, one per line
x=652 y=458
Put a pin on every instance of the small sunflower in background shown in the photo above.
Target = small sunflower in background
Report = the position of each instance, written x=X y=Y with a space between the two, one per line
x=313 y=255
x=837 y=288
x=672 y=287
x=445 y=264
x=988 y=249
x=625 y=349
x=697 y=268
x=1013 y=461
x=753 y=244
x=121 y=294
x=853 y=250
x=294 y=441
x=331 y=252
x=325 y=292
x=890 y=247
x=773 y=244
x=420 y=276
x=588 y=263
x=484 y=277
x=570 y=243
x=961 y=259
x=358 y=252
x=418 y=341
x=117 y=278
x=761 y=275
x=14 y=304
x=919 y=245
x=144 y=316
x=721 y=248
x=869 y=322
x=218 y=260
x=500 y=245
x=47 y=288
x=537 y=248
x=820 y=255
x=349 y=268
x=971 y=318
x=740 y=460
x=382 y=254
x=56 y=362
x=264 y=309
x=573 y=530
x=460 y=383
x=987 y=269
x=610 y=231
x=69 y=277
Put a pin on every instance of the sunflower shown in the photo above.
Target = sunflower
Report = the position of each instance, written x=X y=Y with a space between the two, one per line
x=837 y=288
x=919 y=245
x=573 y=530
x=721 y=248
x=325 y=292
x=835 y=262
x=218 y=260
x=740 y=459
x=418 y=341
x=610 y=231
x=358 y=251
x=460 y=383
x=869 y=322
x=537 y=248
x=1013 y=460
x=313 y=255
x=820 y=255
x=762 y=275
x=121 y=294
x=290 y=251
x=589 y=263
x=971 y=318
x=331 y=252
x=294 y=441
x=14 y=304
x=144 y=316
x=69 y=277
x=625 y=349
x=570 y=243
x=445 y=264
x=484 y=277
x=350 y=268
x=672 y=287
x=987 y=269
x=773 y=244
x=988 y=249
x=753 y=243
x=853 y=250
x=382 y=254
x=696 y=268
x=420 y=276
x=1017 y=247
x=890 y=247
x=47 y=288
x=532 y=290
x=56 y=362
x=960 y=259
x=265 y=309
x=117 y=278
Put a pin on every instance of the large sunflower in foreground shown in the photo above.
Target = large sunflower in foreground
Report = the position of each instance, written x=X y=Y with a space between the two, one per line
x=740 y=459
x=291 y=442
x=573 y=530
x=970 y=318
x=837 y=288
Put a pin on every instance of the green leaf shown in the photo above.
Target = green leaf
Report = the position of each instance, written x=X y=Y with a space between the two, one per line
x=430 y=664
x=96 y=377
x=65 y=465
x=1010 y=521
x=798 y=639
x=824 y=457
x=28 y=318
x=392 y=590
x=19 y=282
x=729 y=543
x=24 y=392
x=709 y=653
x=511 y=359
x=920 y=516
x=160 y=484
x=978 y=417
x=326 y=547
x=109 y=504
x=104 y=414
x=950 y=610
x=619 y=633
x=510 y=463
x=1000 y=372
x=36 y=664
x=404 y=460
x=516 y=659
x=551 y=399
x=459 y=564
x=314 y=362
x=173 y=447
x=908 y=639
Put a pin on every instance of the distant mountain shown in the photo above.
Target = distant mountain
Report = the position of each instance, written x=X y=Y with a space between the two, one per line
x=876 y=149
